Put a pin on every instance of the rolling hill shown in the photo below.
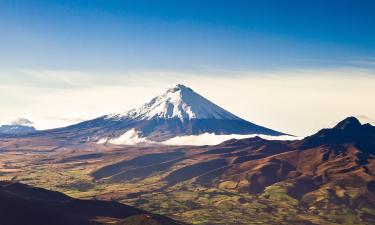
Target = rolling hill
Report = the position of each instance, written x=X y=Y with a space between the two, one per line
x=21 y=204
x=326 y=178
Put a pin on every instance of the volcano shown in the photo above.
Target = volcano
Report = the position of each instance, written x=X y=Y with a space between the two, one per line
x=179 y=111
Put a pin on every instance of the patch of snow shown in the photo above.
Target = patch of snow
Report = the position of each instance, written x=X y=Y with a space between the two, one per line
x=177 y=102
x=214 y=139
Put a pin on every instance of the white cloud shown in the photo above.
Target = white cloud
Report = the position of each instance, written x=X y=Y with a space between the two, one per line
x=214 y=139
x=18 y=121
x=365 y=119
x=131 y=137
x=57 y=78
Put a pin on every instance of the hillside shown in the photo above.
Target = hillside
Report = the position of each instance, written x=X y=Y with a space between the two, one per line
x=326 y=178
x=21 y=204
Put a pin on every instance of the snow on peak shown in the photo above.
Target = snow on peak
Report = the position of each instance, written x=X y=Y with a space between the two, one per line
x=179 y=102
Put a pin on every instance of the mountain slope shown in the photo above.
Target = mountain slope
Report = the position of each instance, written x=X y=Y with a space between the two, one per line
x=21 y=204
x=340 y=158
x=179 y=102
x=16 y=129
x=349 y=131
x=328 y=176
x=177 y=112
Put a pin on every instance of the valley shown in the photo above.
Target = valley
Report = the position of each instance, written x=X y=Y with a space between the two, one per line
x=327 y=178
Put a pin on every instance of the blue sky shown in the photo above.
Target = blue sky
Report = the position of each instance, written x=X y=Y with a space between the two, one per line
x=65 y=61
x=185 y=35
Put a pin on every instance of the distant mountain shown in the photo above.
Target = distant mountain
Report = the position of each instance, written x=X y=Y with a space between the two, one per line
x=16 y=129
x=17 y=126
x=177 y=112
x=24 y=205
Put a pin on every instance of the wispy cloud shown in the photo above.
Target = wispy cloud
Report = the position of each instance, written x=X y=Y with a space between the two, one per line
x=18 y=121
x=58 y=78
x=365 y=62
x=366 y=119
x=66 y=119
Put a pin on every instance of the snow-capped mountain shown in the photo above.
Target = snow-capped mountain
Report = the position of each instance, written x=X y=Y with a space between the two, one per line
x=17 y=126
x=16 y=129
x=177 y=112
x=179 y=102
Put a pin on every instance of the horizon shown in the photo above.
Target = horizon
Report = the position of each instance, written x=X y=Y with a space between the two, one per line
x=295 y=67
x=27 y=122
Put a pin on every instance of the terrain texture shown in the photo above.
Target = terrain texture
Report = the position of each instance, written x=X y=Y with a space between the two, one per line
x=327 y=178
x=24 y=205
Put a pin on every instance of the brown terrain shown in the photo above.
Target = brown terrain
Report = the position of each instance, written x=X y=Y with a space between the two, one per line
x=326 y=178
x=21 y=204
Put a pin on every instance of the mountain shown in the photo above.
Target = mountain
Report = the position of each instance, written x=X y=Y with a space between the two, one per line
x=177 y=112
x=17 y=126
x=326 y=178
x=179 y=102
x=21 y=204
x=16 y=129
x=349 y=131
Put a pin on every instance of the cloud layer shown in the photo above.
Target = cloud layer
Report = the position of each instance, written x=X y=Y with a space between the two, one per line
x=213 y=139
